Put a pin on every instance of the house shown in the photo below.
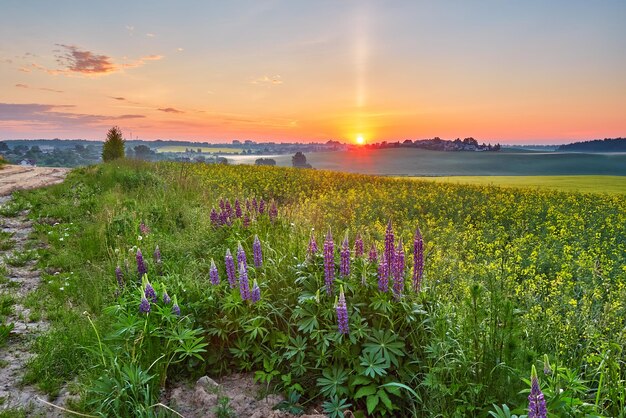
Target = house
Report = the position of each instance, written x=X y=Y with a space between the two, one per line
x=28 y=163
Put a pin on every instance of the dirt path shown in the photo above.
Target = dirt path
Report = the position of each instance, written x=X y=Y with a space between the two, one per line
x=14 y=177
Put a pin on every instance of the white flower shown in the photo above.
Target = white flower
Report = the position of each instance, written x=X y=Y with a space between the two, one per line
x=61 y=288
x=55 y=224
x=61 y=239
x=139 y=238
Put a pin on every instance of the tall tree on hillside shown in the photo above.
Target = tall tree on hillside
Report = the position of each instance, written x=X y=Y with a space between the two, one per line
x=114 y=145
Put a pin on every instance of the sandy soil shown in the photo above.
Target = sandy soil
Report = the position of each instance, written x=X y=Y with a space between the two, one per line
x=15 y=177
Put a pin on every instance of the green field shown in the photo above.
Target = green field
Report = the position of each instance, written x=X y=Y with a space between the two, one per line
x=588 y=184
x=178 y=148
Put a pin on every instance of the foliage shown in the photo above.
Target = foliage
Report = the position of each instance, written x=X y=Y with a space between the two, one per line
x=113 y=147
x=509 y=275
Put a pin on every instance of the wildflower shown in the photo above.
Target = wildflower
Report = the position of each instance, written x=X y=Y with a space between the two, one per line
x=342 y=314
x=255 y=296
x=312 y=246
x=244 y=284
x=344 y=267
x=228 y=209
x=389 y=245
x=358 y=246
x=255 y=204
x=141 y=265
x=398 y=271
x=119 y=276
x=418 y=260
x=215 y=219
x=273 y=212
x=143 y=229
x=144 y=306
x=248 y=205
x=547 y=369
x=237 y=208
x=166 y=297
x=230 y=268
x=149 y=292
x=175 y=307
x=383 y=275
x=329 y=262
x=213 y=274
x=261 y=207
x=157 y=259
x=241 y=255
x=222 y=205
x=246 y=220
x=256 y=252
x=536 y=400
x=373 y=255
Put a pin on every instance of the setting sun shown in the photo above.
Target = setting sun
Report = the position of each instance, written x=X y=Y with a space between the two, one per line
x=360 y=140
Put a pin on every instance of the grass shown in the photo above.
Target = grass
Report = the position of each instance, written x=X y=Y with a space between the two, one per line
x=213 y=150
x=587 y=184
x=510 y=275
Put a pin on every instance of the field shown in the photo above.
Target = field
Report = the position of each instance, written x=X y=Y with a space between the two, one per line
x=177 y=148
x=587 y=184
x=417 y=162
x=496 y=281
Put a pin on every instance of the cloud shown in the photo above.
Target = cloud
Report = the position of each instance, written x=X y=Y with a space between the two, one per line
x=268 y=80
x=180 y=49
x=170 y=110
x=26 y=86
x=84 y=62
x=130 y=29
x=118 y=98
x=150 y=35
x=55 y=115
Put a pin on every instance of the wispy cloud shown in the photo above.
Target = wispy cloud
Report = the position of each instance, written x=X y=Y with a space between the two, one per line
x=150 y=35
x=55 y=115
x=268 y=80
x=77 y=60
x=118 y=98
x=170 y=110
x=26 y=86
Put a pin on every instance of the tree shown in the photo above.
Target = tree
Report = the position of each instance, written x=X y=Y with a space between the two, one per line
x=143 y=152
x=299 y=160
x=4 y=146
x=265 y=161
x=113 y=147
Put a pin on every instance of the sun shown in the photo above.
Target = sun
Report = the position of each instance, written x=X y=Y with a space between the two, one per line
x=360 y=140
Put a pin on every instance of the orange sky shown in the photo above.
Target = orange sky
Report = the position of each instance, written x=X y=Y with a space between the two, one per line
x=506 y=72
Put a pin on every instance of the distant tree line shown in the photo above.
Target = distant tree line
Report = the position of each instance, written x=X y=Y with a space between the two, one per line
x=597 y=145
x=438 y=144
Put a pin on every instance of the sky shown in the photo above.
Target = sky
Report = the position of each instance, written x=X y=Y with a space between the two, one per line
x=271 y=70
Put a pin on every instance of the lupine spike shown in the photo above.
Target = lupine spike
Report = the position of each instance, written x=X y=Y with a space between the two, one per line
x=536 y=401
x=237 y=208
x=398 y=271
x=149 y=292
x=157 y=260
x=418 y=260
x=262 y=207
x=143 y=229
x=547 y=369
x=141 y=264
x=344 y=267
x=358 y=246
x=144 y=306
x=120 y=277
x=230 y=269
x=248 y=205
x=383 y=276
x=175 y=307
x=342 y=313
x=213 y=274
x=246 y=220
x=228 y=209
x=222 y=205
x=389 y=245
x=312 y=246
x=273 y=212
x=241 y=255
x=215 y=219
x=257 y=252
x=373 y=255
x=244 y=284
x=255 y=295
x=255 y=204
x=329 y=262
x=166 y=297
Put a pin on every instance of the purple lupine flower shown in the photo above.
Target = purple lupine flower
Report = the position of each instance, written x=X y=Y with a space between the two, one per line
x=120 y=277
x=241 y=255
x=547 y=369
x=373 y=255
x=255 y=296
x=143 y=229
x=244 y=284
x=157 y=259
x=237 y=208
x=222 y=205
x=141 y=265
x=329 y=262
x=312 y=246
x=230 y=269
x=383 y=274
x=344 y=266
x=398 y=271
x=213 y=274
x=215 y=219
x=248 y=205
x=144 y=306
x=418 y=260
x=223 y=218
x=228 y=209
x=176 y=309
x=149 y=292
x=246 y=220
x=536 y=401
x=166 y=298
x=389 y=245
x=358 y=246
x=262 y=207
x=257 y=253
x=342 y=314
x=255 y=204
x=273 y=212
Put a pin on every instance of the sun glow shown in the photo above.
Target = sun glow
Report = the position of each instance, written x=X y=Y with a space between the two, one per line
x=360 y=140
